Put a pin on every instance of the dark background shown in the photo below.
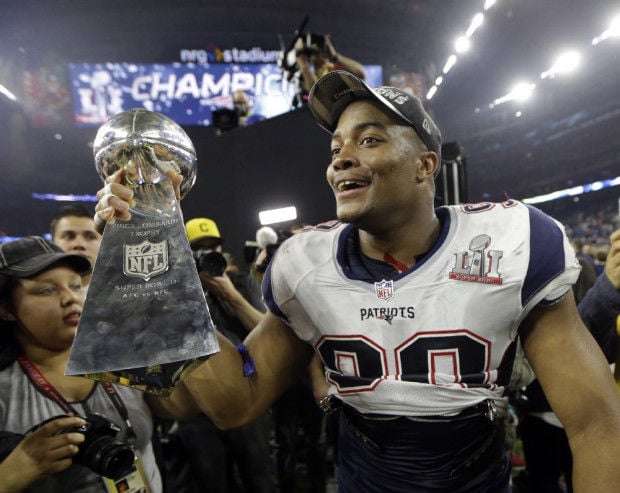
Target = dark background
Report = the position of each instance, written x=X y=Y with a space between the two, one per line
x=566 y=135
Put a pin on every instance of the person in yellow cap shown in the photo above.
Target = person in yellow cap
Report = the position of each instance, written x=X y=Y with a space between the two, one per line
x=234 y=294
x=235 y=304
x=202 y=228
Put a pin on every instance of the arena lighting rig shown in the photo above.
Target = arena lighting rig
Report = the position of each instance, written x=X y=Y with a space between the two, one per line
x=462 y=45
x=564 y=63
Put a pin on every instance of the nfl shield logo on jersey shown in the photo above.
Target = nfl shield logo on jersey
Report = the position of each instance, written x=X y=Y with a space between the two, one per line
x=384 y=290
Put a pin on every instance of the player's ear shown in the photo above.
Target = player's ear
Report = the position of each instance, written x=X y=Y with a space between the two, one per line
x=428 y=163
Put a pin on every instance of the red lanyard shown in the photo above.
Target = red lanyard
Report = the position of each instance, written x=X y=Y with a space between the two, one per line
x=50 y=391
x=40 y=381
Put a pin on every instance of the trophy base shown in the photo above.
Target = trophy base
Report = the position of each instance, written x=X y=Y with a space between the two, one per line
x=159 y=380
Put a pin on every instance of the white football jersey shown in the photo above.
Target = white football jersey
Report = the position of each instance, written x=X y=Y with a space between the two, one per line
x=438 y=337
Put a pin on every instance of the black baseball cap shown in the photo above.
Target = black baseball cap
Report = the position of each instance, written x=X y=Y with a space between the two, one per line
x=333 y=92
x=30 y=255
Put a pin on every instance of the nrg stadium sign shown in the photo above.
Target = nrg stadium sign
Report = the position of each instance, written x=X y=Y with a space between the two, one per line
x=232 y=55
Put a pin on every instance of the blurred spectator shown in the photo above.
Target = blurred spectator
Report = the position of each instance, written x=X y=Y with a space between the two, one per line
x=245 y=109
x=240 y=115
x=600 y=258
x=316 y=57
x=73 y=229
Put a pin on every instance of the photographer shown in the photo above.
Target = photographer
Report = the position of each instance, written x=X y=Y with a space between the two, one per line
x=234 y=299
x=245 y=109
x=317 y=56
x=60 y=433
x=235 y=305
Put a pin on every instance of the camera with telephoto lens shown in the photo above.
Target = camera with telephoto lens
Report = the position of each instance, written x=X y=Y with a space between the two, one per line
x=210 y=262
x=101 y=451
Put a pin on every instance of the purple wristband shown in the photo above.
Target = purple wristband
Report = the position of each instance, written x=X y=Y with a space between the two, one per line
x=249 y=368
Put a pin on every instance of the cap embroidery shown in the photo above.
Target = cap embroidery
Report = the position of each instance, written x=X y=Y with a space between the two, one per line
x=340 y=94
x=394 y=96
x=426 y=126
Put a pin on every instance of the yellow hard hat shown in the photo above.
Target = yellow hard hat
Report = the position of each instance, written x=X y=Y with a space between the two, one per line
x=201 y=227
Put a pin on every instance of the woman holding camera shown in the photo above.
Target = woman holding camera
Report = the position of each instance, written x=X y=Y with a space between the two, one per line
x=62 y=433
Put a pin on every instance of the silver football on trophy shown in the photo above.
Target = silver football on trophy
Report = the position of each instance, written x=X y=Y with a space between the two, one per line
x=147 y=145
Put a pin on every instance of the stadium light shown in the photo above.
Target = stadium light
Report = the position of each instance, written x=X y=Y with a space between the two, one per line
x=520 y=92
x=612 y=32
x=272 y=216
x=614 y=27
x=449 y=64
x=462 y=44
x=476 y=22
x=565 y=63
x=7 y=93
x=488 y=4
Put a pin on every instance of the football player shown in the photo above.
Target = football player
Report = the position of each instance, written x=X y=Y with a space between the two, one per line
x=415 y=313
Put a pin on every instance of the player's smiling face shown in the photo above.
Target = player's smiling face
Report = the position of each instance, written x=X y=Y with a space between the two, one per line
x=373 y=168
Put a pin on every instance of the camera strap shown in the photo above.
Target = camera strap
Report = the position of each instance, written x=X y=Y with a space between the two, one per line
x=122 y=411
x=37 y=378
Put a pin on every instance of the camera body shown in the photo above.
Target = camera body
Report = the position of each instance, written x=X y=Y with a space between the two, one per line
x=101 y=451
x=314 y=42
x=211 y=262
